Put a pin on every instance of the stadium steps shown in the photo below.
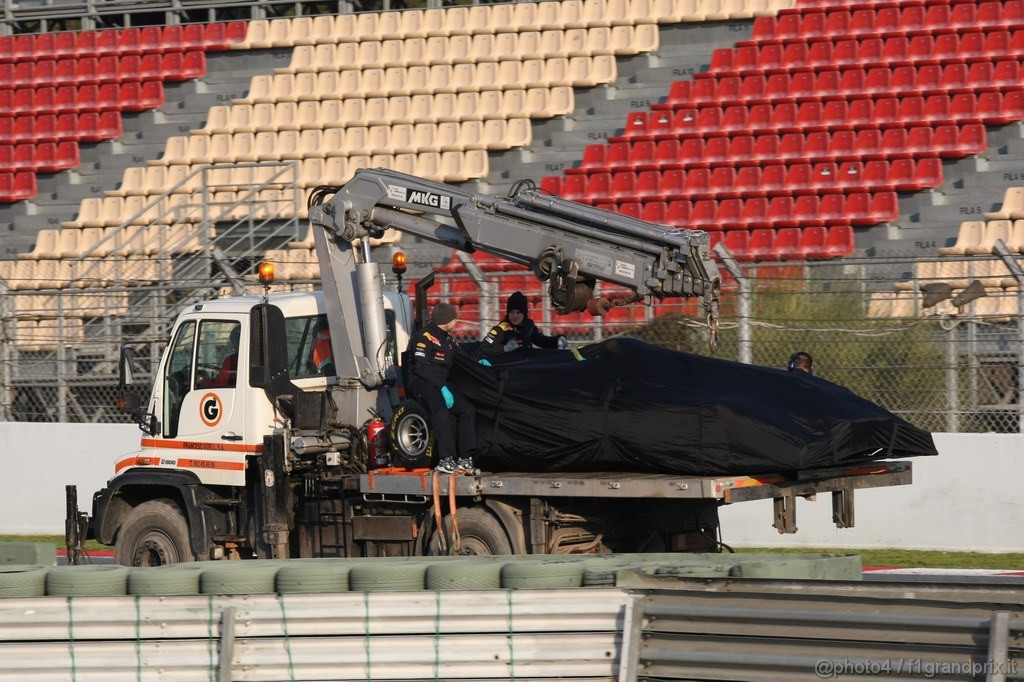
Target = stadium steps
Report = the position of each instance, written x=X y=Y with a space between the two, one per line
x=144 y=138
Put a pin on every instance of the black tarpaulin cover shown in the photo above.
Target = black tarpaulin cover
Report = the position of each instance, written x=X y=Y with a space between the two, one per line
x=631 y=406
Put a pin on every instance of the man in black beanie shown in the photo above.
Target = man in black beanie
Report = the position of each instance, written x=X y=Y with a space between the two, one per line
x=517 y=331
x=433 y=353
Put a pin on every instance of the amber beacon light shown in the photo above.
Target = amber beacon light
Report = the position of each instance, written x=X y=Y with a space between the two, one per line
x=266 y=271
x=398 y=263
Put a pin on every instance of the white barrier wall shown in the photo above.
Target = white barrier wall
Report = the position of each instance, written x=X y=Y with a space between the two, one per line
x=40 y=459
x=966 y=499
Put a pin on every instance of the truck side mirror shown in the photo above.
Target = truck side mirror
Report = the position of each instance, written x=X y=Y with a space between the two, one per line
x=268 y=353
x=126 y=367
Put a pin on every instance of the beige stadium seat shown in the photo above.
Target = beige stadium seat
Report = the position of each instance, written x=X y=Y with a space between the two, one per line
x=435 y=51
x=332 y=85
x=45 y=274
x=627 y=12
x=303 y=115
x=400 y=138
x=670 y=11
x=906 y=304
x=519 y=132
x=473 y=135
x=300 y=32
x=153 y=179
x=463 y=166
x=521 y=16
x=969 y=235
x=137 y=270
x=1016 y=242
x=333 y=141
x=398 y=111
x=366 y=26
x=26 y=337
x=257 y=36
x=955 y=272
x=337 y=171
x=303 y=60
x=337 y=113
x=23 y=276
x=46 y=245
x=425 y=137
x=243 y=149
x=346 y=56
x=239 y=120
x=354 y=140
x=131 y=183
x=554 y=43
x=404 y=162
x=1009 y=303
x=181 y=208
x=481 y=19
x=428 y=165
x=110 y=213
x=595 y=13
x=392 y=53
x=370 y=55
x=131 y=241
x=994 y=231
x=138 y=210
x=311 y=172
x=589 y=42
x=323 y=58
x=381 y=161
x=591 y=71
x=628 y=40
x=93 y=243
x=259 y=90
x=483 y=48
x=174 y=151
x=459 y=50
x=1012 y=207
x=345 y=29
x=415 y=80
x=262 y=117
x=456 y=22
x=266 y=147
x=323 y=29
x=690 y=10
x=178 y=179
x=69 y=242
x=279 y=33
x=446 y=137
x=283 y=88
x=197 y=148
x=422 y=109
x=571 y=14
x=88 y=214
x=549 y=15
x=415 y=52
x=434 y=23
x=310 y=144
x=441 y=79
x=378 y=140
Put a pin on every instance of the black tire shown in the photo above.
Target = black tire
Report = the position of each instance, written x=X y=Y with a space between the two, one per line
x=410 y=438
x=154 y=534
x=480 y=534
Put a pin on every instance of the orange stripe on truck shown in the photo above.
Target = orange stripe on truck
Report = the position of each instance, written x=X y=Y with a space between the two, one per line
x=182 y=463
x=197 y=445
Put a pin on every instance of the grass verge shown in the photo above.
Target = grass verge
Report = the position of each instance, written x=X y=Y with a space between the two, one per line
x=899 y=558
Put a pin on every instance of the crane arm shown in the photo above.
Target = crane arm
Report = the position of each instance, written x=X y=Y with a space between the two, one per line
x=568 y=245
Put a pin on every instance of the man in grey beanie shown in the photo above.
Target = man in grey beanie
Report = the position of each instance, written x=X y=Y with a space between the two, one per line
x=433 y=353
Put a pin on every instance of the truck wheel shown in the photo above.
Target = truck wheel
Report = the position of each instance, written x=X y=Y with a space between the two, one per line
x=409 y=436
x=479 y=534
x=154 y=534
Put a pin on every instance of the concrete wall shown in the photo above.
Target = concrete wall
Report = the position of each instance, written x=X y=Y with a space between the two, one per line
x=967 y=498
x=40 y=459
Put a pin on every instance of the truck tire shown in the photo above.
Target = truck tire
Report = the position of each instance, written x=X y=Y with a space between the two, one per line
x=480 y=533
x=154 y=534
x=410 y=438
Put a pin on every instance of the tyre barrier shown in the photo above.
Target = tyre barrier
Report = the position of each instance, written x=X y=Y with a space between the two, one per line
x=391 y=574
x=307 y=577
x=23 y=581
x=87 y=581
x=384 y=577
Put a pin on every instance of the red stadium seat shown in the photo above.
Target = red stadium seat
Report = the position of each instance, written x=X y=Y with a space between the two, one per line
x=635 y=129
x=842 y=144
x=129 y=42
x=667 y=154
x=631 y=209
x=654 y=212
x=787 y=243
x=812 y=243
x=551 y=184
x=773 y=179
x=66 y=128
x=737 y=241
x=106 y=43
x=599 y=188
x=574 y=187
x=679 y=93
x=823 y=178
x=55 y=157
x=780 y=212
x=761 y=246
x=875 y=178
x=702 y=216
x=748 y=182
x=678 y=213
x=17 y=186
x=172 y=38
x=593 y=160
x=716 y=151
x=798 y=178
x=623 y=187
x=755 y=213
x=150 y=39
x=93 y=127
x=856 y=176
x=805 y=211
x=839 y=242
x=193 y=37
x=642 y=156
x=698 y=183
x=673 y=185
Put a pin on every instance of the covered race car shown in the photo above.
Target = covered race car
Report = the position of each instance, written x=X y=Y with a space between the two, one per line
x=624 y=405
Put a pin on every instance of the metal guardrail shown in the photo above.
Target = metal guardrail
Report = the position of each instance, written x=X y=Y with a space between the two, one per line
x=787 y=630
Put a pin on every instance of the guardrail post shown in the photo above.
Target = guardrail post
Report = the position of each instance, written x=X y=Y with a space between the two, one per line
x=227 y=644
x=998 y=646
x=632 y=634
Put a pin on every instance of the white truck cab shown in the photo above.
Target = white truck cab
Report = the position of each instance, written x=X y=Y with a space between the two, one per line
x=208 y=417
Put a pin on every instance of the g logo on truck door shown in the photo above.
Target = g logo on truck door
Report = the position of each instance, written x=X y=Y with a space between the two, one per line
x=210 y=409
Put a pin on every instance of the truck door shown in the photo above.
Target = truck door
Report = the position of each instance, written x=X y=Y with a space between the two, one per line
x=203 y=388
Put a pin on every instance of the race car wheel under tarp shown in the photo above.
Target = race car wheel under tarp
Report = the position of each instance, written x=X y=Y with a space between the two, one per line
x=154 y=534
x=410 y=437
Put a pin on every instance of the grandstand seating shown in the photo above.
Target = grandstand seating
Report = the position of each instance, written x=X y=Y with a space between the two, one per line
x=814 y=122
x=61 y=89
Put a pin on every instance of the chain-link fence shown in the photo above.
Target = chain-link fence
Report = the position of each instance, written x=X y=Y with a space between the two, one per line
x=871 y=326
